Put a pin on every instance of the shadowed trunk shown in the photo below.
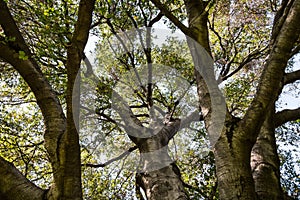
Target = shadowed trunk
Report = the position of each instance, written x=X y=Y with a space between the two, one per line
x=232 y=154
x=265 y=162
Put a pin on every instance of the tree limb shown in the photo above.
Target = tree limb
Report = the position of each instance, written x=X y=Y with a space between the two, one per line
x=131 y=149
x=270 y=83
x=27 y=67
x=250 y=57
x=13 y=185
x=286 y=116
x=155 y=19
x=291 y=77
x=69 y=180
x=163 y=8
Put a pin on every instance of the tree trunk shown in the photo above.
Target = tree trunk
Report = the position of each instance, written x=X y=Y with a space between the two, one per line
x=265 y=162
x=158 y=175
x=232 y=154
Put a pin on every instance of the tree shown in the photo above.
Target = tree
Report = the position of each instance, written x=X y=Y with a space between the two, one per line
x=233 y=149
x=61 y=136
x=245 y=154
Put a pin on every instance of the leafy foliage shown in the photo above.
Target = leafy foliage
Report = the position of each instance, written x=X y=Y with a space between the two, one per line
x=21 y=132
x=239 y=36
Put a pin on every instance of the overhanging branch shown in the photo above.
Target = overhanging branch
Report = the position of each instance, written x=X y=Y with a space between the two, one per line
x=286 y=116
x=291 y=77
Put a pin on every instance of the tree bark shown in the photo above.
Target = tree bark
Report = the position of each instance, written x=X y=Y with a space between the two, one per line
x=158 y=175
x=14 y=186
x=232 y=152
x=236 y=158
x=265 y=162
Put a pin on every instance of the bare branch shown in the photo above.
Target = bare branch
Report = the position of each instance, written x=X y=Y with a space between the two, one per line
x=250 y=57
x=131 y=149
x=291 y=77
x=286 y=116
x=155 y=19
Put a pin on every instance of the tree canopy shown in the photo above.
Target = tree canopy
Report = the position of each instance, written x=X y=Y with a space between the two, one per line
x=178 y=100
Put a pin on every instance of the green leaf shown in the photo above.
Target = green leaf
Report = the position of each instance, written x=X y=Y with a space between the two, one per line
x=22 y=55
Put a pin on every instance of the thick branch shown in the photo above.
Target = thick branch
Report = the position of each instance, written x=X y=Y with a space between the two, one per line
x=70 y=183
x=46 y=98
x=212 y=103
x=286 y=116
x=270 y=82
x=280 y=18
x=164 y=9
x=291 y=77
x=198 y=22
x=28 y=68
x=10 y=28
x=13 y=185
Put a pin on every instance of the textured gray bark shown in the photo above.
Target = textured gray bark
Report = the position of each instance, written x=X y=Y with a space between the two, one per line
x=157 y=174
x=162 y=184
